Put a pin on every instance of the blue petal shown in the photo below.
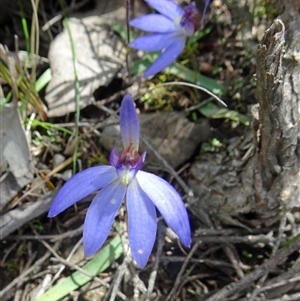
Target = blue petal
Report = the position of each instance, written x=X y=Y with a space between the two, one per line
x=141 y=223
x=100 y=216
x=169 y=204
x=81 y=185
x=167 y=7
x=166 y=58
x=154 y=23
x=155 y=42
x=129 y=123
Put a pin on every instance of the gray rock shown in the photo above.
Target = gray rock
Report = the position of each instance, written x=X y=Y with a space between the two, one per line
x=100 y=55
x=170 y=133
x=58 y=159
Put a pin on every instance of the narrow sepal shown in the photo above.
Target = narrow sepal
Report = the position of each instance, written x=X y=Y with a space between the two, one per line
x=129 y=123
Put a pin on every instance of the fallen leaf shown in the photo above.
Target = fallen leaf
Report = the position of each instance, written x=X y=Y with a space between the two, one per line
x=15 y=156
x=100 y=55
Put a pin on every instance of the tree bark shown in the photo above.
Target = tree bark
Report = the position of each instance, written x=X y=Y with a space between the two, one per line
x=278 y=95
x=265 y=178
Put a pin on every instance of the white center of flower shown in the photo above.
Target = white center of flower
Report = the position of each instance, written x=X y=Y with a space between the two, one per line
x=177 y=20
x=126 y=176
x=141 y=251
x=180 y=30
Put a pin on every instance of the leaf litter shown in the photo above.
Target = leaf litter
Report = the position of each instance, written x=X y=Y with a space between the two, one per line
x=39 y=252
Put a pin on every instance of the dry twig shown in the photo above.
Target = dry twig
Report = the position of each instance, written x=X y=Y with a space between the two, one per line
x=153 y=275
x=243 y=284
x=18 y=281
x=178 y=280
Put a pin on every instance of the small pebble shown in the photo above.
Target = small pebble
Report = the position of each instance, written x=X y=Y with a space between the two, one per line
x=66 y=175
x=58 y=159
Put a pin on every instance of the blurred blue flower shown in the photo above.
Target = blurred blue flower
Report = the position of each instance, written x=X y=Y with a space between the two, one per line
x=124 y=180
x=169 y=31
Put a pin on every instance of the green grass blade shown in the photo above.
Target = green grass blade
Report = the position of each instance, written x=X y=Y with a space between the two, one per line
x=180 y=71
x=26 y=34
x=96 y=265
x=198 y=35
x=43 y=80
x=49 y=126
x=290 y=241
x=76 y=85
x=121 y=30
x=196 y=78
x=141 y=65
x=213 y=111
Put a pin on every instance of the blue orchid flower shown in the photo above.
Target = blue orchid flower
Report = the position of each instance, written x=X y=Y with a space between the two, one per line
x=169 y=31
x=124 y=180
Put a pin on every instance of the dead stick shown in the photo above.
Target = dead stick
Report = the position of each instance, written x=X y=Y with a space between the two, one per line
x=233 y=288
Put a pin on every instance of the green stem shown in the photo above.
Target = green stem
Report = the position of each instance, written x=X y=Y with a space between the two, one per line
x=77 y=88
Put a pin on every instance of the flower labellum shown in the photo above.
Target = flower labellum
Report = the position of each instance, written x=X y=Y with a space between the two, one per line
x=169 y=31
x=123 y=180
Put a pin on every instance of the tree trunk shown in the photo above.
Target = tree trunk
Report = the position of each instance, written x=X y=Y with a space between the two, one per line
x=261 y=171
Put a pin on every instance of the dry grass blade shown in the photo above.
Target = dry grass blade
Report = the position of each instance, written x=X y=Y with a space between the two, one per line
x=20 y=82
